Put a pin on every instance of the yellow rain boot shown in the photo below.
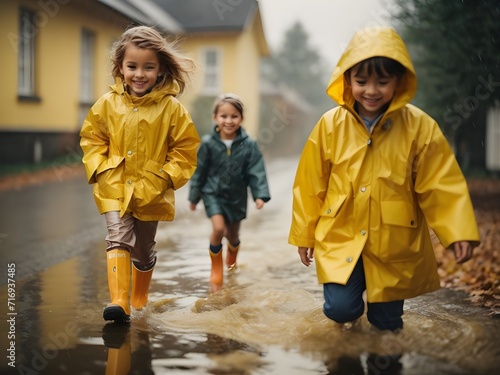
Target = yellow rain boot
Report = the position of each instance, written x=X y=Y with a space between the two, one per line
x=217 y=271
x=140 y=286
x=232 y=253
x=118 y=264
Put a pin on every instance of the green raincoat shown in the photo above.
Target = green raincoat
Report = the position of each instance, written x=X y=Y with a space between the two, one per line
x=138 y=150
x=223 y=176
x=374 y=194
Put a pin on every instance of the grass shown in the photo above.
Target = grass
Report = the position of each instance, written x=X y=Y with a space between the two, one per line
x=18 y=168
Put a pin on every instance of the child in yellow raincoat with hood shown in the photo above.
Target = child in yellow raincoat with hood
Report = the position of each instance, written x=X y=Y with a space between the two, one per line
x=139 y=145
x=375 y=173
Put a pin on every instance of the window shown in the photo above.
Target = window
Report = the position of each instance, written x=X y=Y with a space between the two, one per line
x=86 y=67
x=212 y=71
x=86 y=73
x=26 y=54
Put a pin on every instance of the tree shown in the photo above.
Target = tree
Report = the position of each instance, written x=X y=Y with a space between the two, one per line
x=297 y=80
x=300 y=67
x=455 y=46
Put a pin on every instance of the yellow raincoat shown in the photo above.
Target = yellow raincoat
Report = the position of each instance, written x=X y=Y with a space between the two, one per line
x=138 y=150
x=375 y=194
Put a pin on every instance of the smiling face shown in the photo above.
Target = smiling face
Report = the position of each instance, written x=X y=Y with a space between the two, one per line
x=371 y=91
x=228 y=120
x=140 y=69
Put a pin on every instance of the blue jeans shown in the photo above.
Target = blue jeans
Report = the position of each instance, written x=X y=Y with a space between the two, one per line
x=344 y=303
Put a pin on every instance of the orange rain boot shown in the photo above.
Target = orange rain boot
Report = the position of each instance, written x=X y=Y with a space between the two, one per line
x=232 y=253
x=217 y=271
x=140 y=286
x=118 y=264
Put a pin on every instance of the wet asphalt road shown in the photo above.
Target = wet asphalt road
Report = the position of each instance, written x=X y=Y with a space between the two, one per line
x=267 y=320
x=44 y=224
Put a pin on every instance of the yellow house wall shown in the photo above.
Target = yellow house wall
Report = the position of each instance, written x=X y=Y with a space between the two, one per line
x=192 y=48
x=8 y=46
x=240 y=70
x=58 y=43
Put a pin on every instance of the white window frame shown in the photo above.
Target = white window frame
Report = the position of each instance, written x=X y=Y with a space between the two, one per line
x=26 y=54
x=212 y=70
x=87 y=66
x=87 y=53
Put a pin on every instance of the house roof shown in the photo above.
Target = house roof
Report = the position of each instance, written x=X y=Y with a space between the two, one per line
x=128 y=10
x=288 y=95
x=207 y=15
x=145 y=12
x=193 y=16
x=188 y=16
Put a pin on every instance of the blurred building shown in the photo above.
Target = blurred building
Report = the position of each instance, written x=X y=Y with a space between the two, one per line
x=286 y=119
x=56 y=63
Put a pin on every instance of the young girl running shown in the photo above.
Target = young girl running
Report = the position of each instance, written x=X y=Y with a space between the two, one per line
x=229 y=162
x=139 y=145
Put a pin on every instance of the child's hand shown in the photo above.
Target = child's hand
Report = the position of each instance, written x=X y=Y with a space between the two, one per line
x=259 y=203
x=463 y=251
x=306 y=255
x=192 y=206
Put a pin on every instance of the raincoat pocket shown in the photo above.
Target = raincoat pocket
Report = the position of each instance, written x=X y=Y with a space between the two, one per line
x=399 y=240
x=398 y=213
x=329 y=211
x=155 y=177
x=109 y=177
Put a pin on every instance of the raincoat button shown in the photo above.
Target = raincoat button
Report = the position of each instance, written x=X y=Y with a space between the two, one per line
x=369 y=142
x=328 y=211
x=412 y=222
x=348 y=259
x=160 y=170
x=363 y=232
x=135 y=109
x=363 y=189
x=129 y=182
x=129 y=152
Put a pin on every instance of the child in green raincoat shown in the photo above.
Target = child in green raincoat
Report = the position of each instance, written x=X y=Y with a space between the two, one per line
x=229 y=162
x=374 y=175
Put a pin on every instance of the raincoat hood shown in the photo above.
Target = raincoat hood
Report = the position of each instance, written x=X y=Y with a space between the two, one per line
x=365 y=44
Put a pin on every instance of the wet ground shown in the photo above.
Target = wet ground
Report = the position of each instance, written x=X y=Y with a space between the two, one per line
x=266 y=320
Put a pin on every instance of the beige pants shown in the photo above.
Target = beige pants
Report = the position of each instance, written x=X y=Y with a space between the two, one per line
x=134 y=235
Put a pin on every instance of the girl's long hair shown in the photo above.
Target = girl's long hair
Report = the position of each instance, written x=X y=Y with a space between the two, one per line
x=173 y=65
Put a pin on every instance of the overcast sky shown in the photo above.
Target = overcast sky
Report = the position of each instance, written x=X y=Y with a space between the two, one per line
x=330 y=24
